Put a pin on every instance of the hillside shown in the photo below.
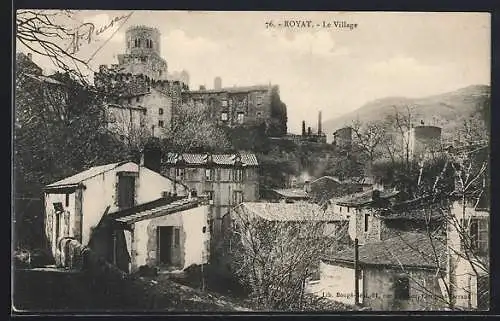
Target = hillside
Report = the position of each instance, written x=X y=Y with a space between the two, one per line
x=445 y=110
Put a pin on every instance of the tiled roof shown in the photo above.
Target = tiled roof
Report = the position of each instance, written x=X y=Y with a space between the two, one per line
x=288 y=211
x=82 y=176
x=363 y=198
x=292 y=192
x=219 y=159
x=239 y=89
x=406 y=249
x=413 y=214
x=138 y=213
x=334 y=179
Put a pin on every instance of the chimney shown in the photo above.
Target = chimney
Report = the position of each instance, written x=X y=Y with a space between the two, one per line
x=309 y=131
x=151 y=158
x=217 y=83
x=319 y=123
x=303 y=128
x=30 y=56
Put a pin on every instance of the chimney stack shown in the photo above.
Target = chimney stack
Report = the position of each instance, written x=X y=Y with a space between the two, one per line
x=303 y=128
x=309 y=131
x=319 y=123
x=218 y=83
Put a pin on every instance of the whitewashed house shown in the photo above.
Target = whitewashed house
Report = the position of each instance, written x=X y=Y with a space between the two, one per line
x=75 y=205
x=468 y=242
x=400 y=273
x=170 y=235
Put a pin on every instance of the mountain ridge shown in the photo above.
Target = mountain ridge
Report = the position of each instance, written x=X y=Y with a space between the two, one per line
x=445 y=110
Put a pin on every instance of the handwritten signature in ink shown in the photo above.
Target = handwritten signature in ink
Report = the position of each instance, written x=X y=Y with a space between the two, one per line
x=87 y=31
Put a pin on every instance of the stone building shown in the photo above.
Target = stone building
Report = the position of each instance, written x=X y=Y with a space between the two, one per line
x=74 y=206
x=236 y=106
x=143 y=53
x=141 y=81
x=342 y=137
x=226 y=179
x=397 y=274
x=423 y=141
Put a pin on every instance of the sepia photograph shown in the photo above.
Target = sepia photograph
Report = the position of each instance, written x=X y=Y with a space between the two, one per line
x=250 y=161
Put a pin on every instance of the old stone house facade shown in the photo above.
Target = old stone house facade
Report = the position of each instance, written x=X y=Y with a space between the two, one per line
x=226 y=179
x=169 y=233
x=75 y=205
x=405 y=272
x=236 y=106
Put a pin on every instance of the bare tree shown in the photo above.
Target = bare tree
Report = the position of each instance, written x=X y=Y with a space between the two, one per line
x=368 y=137
x=58 y=35
x=273 y=259
x=192 y=130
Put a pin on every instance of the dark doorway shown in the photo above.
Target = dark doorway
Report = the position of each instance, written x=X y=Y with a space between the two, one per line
x=169 y=252
x=126 y=191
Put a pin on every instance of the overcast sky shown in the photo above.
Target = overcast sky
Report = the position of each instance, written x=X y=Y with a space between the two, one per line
x=333 y=70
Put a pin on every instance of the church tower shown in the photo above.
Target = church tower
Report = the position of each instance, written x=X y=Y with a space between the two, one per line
x=142 y=53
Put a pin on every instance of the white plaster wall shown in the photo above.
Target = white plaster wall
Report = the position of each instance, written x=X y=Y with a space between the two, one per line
x=152 y=184
x=196 y=242
x=142 y=235
x=99 y=193
x=50 y=222
x=337 y=283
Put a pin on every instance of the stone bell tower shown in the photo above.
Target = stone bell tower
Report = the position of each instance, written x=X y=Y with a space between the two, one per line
x=142 y=53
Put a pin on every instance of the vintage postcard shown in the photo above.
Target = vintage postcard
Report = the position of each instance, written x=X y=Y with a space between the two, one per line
x=197 y=161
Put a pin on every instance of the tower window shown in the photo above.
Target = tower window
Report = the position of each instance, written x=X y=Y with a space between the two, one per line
x=160 y=123
x=160 y=111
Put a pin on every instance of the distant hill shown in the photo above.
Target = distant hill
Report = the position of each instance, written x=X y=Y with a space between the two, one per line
x=444 y=110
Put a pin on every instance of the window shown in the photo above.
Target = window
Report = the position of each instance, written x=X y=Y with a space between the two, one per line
x=145 y=111
x=67 y=200
x=223 y=116
x=224 y=103
x=478 y=233
x=129 y=100
x=259 y=100
x=402 y=288
x=138 y=99
x=237 y=197
x=348 y=208
x=160 y=111
x=340 y=209
x=204 y=229
x=366 y=222
x=160 y=123
x=259 y=114
x=126 y=190
x=240 y=118
x=209 y=174
x=238 y=175
x=179 y=173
